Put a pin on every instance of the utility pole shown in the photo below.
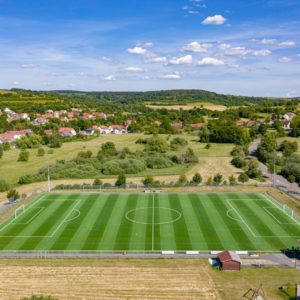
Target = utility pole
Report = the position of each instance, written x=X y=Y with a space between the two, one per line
x=274 y=170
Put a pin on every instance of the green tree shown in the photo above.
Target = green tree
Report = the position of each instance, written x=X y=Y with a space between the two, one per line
x=1 y=151
x=197 y=179
x=12 y=195
x=243 y=178
x=41 y=152
x=182 y=180
x=6 y=146
x=109 y=149
x=97 y=182
x=218 y=178
x=157 y=144
x=148 y=181
x=23 y=155
x=232 y=180
x=121 y=180
x=204 y=135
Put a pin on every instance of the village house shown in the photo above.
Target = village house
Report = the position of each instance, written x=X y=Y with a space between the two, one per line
x=66 y=132
x=48 y=132
x=12 y=136
x=118 y=129
x=287 y=119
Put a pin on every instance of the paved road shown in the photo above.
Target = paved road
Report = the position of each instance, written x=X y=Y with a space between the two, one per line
x=279 y=180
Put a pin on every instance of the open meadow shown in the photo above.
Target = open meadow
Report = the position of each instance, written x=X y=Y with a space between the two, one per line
x=13 y=169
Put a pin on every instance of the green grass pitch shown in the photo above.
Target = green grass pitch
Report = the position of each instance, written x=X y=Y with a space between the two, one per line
x=151 y=222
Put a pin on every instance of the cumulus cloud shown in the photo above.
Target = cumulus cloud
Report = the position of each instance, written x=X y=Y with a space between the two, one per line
x=227 y=49
x=133 y=69
x=138 y=50
x=171 y=76
x=156 y=59
x=214 y=20
x=262 y=52
x=183 y=60
x=287 y=43
x=285 y=59
x=109 y=78
x=268 y=41
x=196 y=47
x=210 y=61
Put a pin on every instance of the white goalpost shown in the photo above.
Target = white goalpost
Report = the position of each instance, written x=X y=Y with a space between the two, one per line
x=288 y=211
x=19 y=210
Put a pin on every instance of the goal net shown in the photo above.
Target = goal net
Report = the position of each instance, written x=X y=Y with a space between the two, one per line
x=19 y=211
x=288 y=211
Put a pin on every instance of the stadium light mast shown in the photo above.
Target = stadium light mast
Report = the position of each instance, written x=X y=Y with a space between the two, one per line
x=49 y=182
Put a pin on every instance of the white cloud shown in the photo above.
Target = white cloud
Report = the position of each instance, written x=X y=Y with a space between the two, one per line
x=268 y=41
x=156 y=59
x=193 y=12
x=285 y=59
x=210 y=61
x=137 y=50
x=262 y=52
x=148 y=45
x=15 y=83
x=227 y=49
x=29 y=66
x=187 y=59
x=133 y=69
x=109 y=78
x=171 y=76
x=214 y=20
x=196 y=47
x=287 y=43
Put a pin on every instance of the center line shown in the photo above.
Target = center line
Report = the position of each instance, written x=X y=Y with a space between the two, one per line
x=153 y=210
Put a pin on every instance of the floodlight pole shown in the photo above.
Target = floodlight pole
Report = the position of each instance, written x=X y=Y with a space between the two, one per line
x=49 y=182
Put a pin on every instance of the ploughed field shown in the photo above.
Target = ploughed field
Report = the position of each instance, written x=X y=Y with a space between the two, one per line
x=146 y=222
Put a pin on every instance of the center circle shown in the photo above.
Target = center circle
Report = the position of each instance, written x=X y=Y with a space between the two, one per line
x=172 y=216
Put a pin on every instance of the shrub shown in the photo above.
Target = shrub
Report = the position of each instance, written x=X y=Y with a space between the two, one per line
x=121 y=180
x=182 y=180
x=1 y=151
x=41 y=152
x=218 y=178
x=50 y=151
x=109 y=149
x=243 y=178
x=157 y=144
x=26 y=179
x=197 y=179
x=157 y=161
x=12 y=195
x=209 y=181
x=148 y=181
x=24 y=155
x=208 y=146
x=97 y=181
x=177 y=143
x=6 y=146
x=4 y=186
x=232 y=180
x=238 y=162
x=127 y=166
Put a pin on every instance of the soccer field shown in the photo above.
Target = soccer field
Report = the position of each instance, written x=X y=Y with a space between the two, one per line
x=151 y=222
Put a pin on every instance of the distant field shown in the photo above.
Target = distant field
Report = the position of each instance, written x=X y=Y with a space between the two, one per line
x=11 y=169
x=151 y=222
x=206 y=105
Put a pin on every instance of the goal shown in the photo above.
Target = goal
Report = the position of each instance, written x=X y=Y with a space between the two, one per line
x=289 y=211
x=19 y=211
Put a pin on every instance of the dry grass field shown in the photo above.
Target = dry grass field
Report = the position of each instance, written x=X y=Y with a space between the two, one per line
x=206 y=105
x=135 y=279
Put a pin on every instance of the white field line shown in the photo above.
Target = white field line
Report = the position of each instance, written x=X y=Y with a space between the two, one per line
x=229 y=216
x=65 y=218
x=36 y=214
x=249 y=228
x=281 y=208
x=153 y=211
x=266 y=208
x=13 y=219
x=259 y=236
x=76 y=217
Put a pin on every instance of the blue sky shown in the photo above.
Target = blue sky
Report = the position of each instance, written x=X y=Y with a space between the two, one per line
x=239 y=47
